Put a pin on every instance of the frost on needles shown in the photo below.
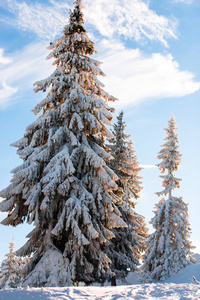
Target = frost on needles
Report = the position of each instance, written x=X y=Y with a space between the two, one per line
x=64 y=185
x=168 y=248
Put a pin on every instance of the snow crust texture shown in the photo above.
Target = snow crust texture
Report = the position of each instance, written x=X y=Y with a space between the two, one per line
x=143 y=291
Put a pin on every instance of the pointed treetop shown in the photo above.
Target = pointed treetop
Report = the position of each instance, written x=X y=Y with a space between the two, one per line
x=170 y=147
x=171 y=125
x=76 y=16
x=75 y=25
x=121 y=114
x=170 y=158
x=12 y=245
x=121 y=124
x=118 y=131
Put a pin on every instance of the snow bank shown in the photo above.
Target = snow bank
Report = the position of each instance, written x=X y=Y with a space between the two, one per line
x=186 y=274
x=180 y=286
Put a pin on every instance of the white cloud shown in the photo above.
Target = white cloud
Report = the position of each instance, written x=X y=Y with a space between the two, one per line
x=132 y=19
x=4 y=60
x=5 y=93
x=28 y=65
x=129 y=18
x=46 y=21
x=133 y=77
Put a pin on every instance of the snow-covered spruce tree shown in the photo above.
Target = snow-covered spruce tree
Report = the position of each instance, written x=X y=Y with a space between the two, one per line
x=129 y=241
x=10 y=271
x=64 y=185
x=168 y=248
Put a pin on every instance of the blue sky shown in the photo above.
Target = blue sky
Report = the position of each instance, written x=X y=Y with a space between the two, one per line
x=150 y=54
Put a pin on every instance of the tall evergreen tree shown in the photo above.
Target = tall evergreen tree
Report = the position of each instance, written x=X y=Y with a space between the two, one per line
x=129 y=241
x=64 y=185
x=10 y=271
x=168 y=248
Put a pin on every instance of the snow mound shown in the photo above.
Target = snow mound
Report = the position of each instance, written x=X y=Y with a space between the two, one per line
x=186 y=274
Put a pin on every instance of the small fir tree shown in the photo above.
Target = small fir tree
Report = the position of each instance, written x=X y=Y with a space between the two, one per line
x=168 y=248
x=129 y=241
x=10 y=271
x=64 y=185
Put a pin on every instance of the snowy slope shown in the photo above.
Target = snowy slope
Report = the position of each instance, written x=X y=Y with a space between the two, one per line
x=179 y=286
x=186 y=274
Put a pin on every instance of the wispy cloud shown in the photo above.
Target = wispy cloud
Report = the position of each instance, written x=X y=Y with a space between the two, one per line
x=46 y=21
x=131 y=76
x=134 y=77
x=132 y=19
x=184 y=1
x=28 y=65
x=4 y=60
x=6 y=92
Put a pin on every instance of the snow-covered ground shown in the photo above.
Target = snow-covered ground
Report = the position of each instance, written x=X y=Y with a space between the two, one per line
x=143 y=291
x=180 y=286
